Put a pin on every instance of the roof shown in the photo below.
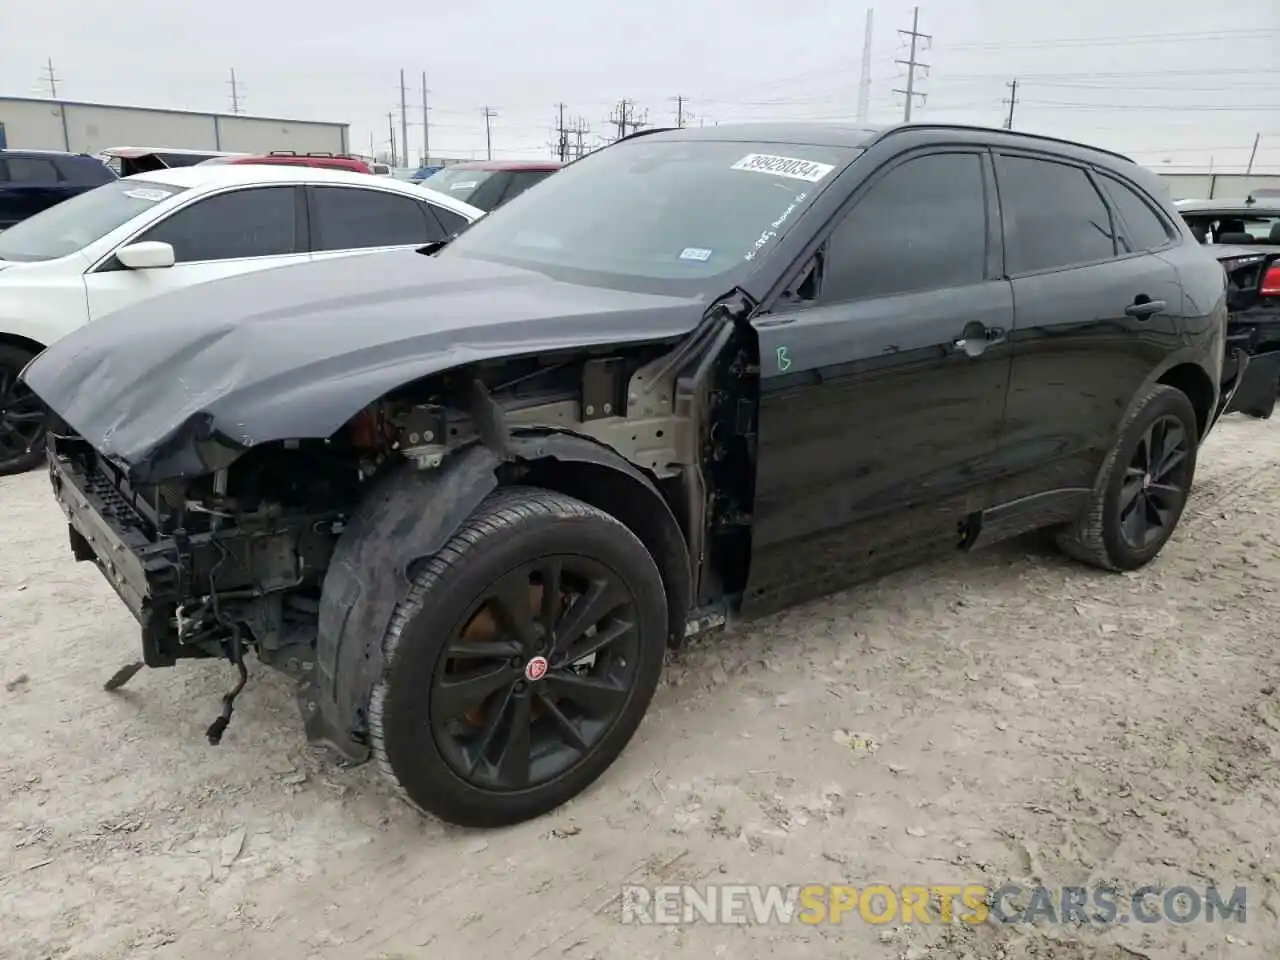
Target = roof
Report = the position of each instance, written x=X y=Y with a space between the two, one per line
x=132 y=152
x=190 y=113
x=504 y=165
x=218 y=175
x=24 y=152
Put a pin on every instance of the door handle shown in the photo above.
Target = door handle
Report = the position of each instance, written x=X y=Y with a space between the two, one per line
x=1142 y=308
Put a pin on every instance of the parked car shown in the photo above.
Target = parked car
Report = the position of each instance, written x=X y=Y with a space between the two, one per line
x=34 y=180
x=488 y=184
x=149 y=234
x=1244 y=235
x=471 y=493
x=323 y=161
x=128 y=161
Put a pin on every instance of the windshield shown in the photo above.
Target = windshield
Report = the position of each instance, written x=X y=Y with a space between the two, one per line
x=658 y=209
x=459 y=184
x=73 y=224
x=1210 y=227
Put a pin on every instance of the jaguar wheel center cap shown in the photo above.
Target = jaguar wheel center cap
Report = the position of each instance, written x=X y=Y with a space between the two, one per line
x=536 y=669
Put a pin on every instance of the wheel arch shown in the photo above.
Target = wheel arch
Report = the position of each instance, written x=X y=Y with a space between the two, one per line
x=1194 y=382
x=22 y=343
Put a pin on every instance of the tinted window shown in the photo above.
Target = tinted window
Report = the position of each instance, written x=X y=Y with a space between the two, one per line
x=450 y=221
x=259 y=222
x=84 y=170
x=921 y=226
x=32 y=170
x=1053 y=216
x=1143 y=229
x=522 y=180
x=347 y=218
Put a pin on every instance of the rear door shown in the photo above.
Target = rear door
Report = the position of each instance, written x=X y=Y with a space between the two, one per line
x=347 y=220
x=221 y=235
x=882 y=383
x=1095 y=312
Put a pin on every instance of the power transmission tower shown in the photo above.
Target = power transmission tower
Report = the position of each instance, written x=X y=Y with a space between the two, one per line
x=235 y=92
x=864 y=81
x=912 y=65
x=1012 y=102
x=561 y=146
x=580 y=131
x=404 y=119
x=488 y=132
x=426 y=123
x=391 y=128
x=680 y=102
x=51 y=79
x=624 y=118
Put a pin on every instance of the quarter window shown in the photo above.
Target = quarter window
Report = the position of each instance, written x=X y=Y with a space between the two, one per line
x=1143 y=229
x=349 y=218
x=922 y=226
x=256 y=222
x=1053 y=216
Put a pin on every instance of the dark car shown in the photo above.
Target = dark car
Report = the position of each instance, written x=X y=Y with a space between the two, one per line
x=469 y=495
x=34 y=180
x=488 y=184
x=1244 y=236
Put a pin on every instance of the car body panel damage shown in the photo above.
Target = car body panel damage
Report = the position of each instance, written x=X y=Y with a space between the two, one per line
x=182 y=384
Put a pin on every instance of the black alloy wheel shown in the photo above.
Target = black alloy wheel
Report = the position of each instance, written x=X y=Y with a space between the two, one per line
x=538 y=675
x=1154 y=488
x=23 y=418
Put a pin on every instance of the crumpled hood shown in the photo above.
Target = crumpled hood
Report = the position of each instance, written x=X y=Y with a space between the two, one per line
x=295 y=352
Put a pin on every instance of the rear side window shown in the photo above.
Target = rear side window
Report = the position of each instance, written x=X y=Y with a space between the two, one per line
x=450 y=221
x=32 y=171
x=1143 y=229
x=922 y=226
x=1053 y=216
x=85 y=171
x=348 y=218
x=256 y=222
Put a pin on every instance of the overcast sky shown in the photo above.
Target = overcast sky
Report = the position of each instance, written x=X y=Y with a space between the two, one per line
x=1174 y=84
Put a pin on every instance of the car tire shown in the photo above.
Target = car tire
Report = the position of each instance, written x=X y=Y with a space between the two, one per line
x=19 y=451
x=420 y=735
x=1131 y=488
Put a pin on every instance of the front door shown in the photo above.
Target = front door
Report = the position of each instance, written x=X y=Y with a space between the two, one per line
x=883 y=384
x=222 y=235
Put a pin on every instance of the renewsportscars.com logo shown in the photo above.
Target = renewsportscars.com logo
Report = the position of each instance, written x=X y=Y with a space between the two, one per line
x=815 y=904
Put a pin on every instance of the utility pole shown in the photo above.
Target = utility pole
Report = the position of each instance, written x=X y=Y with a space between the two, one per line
x=864 y=82
x=235 y=92
x=1012 y=102
x=426 y=124
x=624 y=120
x=488 y=132
x=561 y=146
x=580 y=131
x=680 y=102
x=51 y=79
x=391 y=129
x=913 y=65
x=1253 y=154
x=404 y=119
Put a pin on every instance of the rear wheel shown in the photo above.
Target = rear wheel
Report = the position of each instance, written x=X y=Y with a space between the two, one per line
x=23 y=418
x=521 y=662
x=1142 y=487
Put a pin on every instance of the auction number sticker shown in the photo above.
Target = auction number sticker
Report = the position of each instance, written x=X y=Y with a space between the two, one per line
x=151 y=196
x=792 y=167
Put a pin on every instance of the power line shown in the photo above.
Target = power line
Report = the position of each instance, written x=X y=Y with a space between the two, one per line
x=488 y=132
x=912 y=65
x=235 y=92
x=1126 y=40
x=51 y=79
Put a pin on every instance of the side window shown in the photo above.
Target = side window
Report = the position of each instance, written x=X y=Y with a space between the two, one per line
x=352 y=218
x=1144 y=230
x=32 y=171
x=256 y=222
x=450 y=221
x=1053 y=216
x=922 y=226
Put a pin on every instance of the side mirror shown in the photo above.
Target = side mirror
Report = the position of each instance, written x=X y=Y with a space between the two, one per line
x=148 y=255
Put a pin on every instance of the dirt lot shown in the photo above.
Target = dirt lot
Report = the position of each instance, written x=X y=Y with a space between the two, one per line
x=1006 y=717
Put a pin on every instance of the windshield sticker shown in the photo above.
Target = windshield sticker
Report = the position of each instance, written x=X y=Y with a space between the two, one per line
x=465 y=185
x=695 y=253
x=791 y=167
x=151 y=196
x=772 y=231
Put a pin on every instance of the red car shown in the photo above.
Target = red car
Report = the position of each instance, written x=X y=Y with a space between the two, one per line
x=329 y=161
x=490 y=183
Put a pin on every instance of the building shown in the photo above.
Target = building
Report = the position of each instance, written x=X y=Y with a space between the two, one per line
x=1208 y=186
x=44 y=124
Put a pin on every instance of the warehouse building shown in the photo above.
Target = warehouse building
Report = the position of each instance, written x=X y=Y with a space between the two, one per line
x=44 y=124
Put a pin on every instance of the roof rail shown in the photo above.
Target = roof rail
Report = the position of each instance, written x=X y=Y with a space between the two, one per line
x=1015 y=133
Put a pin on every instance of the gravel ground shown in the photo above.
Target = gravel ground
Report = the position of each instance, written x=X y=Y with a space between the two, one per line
x=1001 y=717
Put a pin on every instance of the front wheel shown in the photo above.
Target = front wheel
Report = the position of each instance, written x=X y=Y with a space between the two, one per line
x=1143 y=485
x=521 y=662
x=23 y=418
